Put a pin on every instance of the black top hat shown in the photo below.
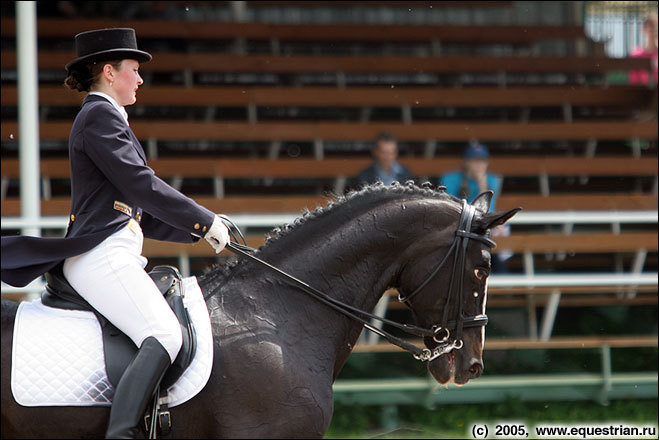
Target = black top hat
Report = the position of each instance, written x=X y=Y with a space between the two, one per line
x=107 y=44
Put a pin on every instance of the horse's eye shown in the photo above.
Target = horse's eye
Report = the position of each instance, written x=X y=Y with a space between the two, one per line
x=479 y=273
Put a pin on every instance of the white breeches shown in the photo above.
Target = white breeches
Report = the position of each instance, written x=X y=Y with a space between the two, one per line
x=112 y=279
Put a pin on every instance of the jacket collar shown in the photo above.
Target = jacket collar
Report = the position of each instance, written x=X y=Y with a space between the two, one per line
x=138 y=146
x=120 y=109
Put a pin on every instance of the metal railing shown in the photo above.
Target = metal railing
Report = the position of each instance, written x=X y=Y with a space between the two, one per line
x=246 y=221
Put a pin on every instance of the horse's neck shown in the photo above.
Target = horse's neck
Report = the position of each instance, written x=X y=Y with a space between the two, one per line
x=354 y=260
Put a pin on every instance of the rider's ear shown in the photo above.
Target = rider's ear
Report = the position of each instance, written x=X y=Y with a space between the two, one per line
x=492 y=219
x=482 y=201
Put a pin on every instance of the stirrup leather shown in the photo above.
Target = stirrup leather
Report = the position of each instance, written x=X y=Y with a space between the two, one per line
x=158 y=420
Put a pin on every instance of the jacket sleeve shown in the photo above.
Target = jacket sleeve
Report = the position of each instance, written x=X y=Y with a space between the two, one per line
x=158 y=230
x=108 y=144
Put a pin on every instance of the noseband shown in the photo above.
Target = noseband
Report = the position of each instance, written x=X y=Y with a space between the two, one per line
x=442 y=331
x=459 y=250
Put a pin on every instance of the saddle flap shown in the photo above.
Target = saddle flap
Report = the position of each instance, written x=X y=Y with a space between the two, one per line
x=169 y=281
x=60 y=294
x=188 y=348
x=118 y=348
x=58 y=357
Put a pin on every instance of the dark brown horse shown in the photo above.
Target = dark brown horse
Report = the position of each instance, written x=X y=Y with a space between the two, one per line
x=277 y=350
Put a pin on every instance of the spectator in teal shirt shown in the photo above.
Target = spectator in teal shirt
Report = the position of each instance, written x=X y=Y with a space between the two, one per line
x=472 y=180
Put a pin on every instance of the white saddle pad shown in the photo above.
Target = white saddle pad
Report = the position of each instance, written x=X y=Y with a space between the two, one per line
x=58 y=359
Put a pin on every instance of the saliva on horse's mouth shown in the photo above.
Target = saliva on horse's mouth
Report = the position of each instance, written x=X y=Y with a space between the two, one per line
x=451 y=364
x=450 y=360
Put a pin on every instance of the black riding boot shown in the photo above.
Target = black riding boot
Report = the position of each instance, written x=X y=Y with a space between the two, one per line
x=135 y=389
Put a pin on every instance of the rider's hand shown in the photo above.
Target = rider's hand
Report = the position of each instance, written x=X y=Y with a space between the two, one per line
x=217 y=235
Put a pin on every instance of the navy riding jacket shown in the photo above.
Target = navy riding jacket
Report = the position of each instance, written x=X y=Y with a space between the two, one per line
x=110 y=183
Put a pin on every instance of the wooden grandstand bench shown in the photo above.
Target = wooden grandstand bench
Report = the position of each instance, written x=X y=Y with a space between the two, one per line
x=519 y=242
x=328 y=168
x=296 y=204
x=579 y=202
x=185 y=30
x=201 y=62
x=342 y=169
x=337 y=131
x=571 y=296
x=583 y=242
x=319 y=96
x=392 y=4
x=590 y=296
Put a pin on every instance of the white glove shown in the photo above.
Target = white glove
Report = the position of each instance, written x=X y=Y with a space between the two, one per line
x=217 y=235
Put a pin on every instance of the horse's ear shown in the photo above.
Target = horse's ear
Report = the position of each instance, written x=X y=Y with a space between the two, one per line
x=482 y=201
x=493 y=219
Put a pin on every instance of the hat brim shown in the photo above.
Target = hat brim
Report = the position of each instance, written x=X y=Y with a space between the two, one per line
x=111 y=54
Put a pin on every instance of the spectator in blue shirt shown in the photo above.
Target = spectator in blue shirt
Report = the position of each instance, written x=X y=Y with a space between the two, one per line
x=472 y=180
x=385 y=168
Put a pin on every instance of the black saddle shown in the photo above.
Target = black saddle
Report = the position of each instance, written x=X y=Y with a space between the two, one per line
x=117 y=347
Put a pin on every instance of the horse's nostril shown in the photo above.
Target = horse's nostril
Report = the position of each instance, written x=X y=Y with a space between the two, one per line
x=476 y=369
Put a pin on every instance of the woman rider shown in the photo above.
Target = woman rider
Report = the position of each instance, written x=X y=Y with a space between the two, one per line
x=116 y=201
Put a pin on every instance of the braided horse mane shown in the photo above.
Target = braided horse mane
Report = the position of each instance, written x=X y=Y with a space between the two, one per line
x=367 y=195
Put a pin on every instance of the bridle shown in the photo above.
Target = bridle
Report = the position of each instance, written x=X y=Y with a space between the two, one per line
x=459 y=250
x=440 y=333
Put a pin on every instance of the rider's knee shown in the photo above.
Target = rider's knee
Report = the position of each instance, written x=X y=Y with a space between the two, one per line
x=171 y=337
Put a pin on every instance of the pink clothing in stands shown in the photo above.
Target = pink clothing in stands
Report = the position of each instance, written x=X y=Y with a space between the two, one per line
x=643 y=76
